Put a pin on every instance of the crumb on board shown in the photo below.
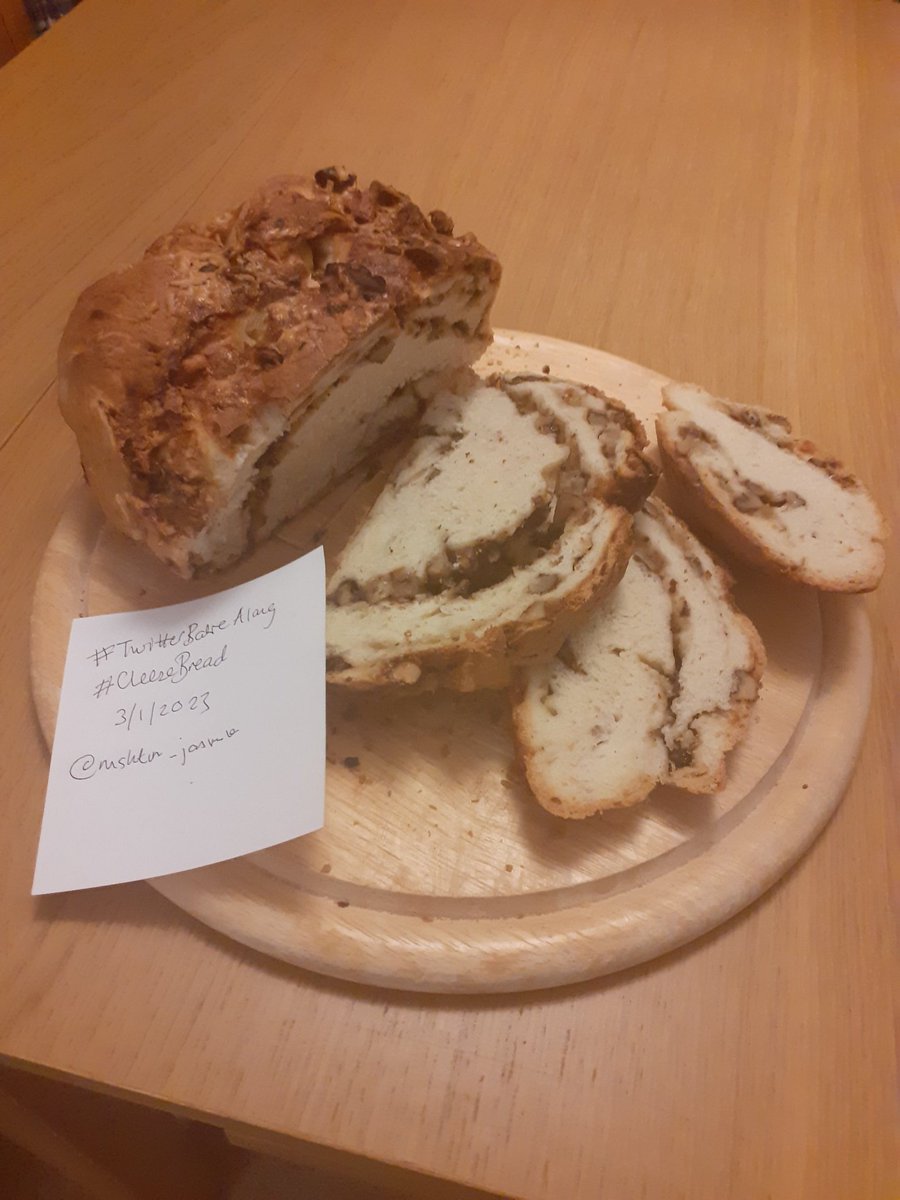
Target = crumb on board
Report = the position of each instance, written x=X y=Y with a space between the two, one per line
x=351 y=761
x=325 y=868
x=343 y=903
x=509 y=867
x=546 y=369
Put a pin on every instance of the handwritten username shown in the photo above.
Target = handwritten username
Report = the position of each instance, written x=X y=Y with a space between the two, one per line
x=88 y=766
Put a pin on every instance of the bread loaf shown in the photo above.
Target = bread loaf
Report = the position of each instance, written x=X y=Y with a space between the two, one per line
x=655 y=687
x=509 y=514
x=242 y=366
x=775 y=501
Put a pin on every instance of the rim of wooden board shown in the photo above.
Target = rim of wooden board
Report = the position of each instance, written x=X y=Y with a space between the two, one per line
x=536 y=939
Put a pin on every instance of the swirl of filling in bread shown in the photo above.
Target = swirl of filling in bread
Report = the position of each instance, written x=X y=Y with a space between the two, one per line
x=771 y=498
x=509 y=514
x=655 y=687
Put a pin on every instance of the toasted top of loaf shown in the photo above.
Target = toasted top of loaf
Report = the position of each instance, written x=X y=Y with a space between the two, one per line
x=771 y=498
x=509 y=513
x=222 y=332
x=655 y=687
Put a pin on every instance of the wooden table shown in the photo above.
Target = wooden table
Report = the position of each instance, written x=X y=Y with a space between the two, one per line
x=702 y=187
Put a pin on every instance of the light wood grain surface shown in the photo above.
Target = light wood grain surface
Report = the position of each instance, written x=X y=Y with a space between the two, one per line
x=705 y=188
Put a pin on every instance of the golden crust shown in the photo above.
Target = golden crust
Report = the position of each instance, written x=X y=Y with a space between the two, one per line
x=165 y=366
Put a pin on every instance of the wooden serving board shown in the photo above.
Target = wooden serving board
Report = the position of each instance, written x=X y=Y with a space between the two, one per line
x=437 y=871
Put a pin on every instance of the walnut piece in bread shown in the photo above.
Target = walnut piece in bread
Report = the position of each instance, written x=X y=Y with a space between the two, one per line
x=241 y=367
x=775 y=501
x=509 y=514
x=655 y=687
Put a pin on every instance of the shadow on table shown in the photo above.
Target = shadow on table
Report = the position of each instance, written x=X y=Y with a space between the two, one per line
x=135 y=904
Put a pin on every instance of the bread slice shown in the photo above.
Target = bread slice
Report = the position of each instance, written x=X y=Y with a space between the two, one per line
x=509 y=514
x=243 y=366
x=774 y=501
x=655 y=687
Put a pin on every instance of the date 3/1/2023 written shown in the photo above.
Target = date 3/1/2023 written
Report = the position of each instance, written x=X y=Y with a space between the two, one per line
x=146 y=714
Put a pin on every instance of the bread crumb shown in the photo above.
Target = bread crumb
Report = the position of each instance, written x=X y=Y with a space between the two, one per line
x=325 y=868
x=351 y=761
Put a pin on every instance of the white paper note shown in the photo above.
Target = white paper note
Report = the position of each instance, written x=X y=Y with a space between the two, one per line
x=190 y=734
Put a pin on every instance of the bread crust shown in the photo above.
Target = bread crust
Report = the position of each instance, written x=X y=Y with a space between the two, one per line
x=168 y=366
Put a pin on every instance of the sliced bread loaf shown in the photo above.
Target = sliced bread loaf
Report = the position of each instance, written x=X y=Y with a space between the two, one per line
x=655 y=687
x=245 y=365
x=509 y=514
x=777 y=502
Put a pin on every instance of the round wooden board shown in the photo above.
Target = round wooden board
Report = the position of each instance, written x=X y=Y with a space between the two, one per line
x=437 y=871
